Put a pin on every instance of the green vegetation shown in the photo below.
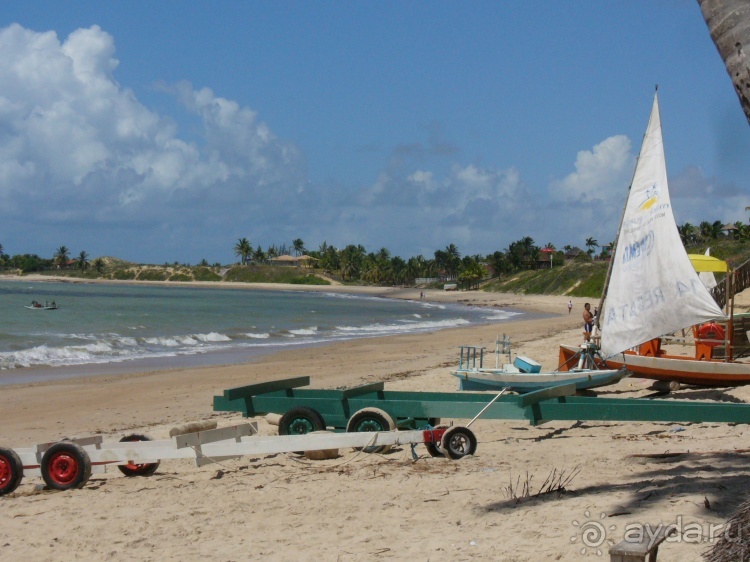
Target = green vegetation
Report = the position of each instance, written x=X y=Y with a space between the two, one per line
x=522 y=267
x=123 y=275
x=153 y=274
x=576 y=278
x=202 y=273
x=273 y=274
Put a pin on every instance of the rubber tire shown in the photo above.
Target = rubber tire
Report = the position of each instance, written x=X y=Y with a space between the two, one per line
x=434 y=448
x=301 y=418
x=58 y=457
x=146 y=469
x=458 y=442
x=368 y=420
x=11 y=471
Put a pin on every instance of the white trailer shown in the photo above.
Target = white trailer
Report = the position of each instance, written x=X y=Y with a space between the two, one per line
x=69 y=464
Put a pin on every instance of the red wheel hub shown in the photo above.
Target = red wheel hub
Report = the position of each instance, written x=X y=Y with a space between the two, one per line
x=63 y=468
x=5 y=472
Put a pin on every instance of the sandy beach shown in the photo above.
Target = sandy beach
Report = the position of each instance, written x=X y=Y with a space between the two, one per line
x=372 y=507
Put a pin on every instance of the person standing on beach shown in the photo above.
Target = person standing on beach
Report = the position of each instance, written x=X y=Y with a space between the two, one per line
x=570 y=306
x=588 y=322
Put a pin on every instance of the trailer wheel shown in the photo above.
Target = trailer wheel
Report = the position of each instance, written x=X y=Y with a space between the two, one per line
x=434 y=448
x=458 y=442
x=371 y=419
x=66 y=465
x=301 y=420
x=135 y=469
x=11 y=471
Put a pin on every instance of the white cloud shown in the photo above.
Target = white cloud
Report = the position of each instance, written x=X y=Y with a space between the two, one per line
x=76 y=145
x=697 y=198
x=92 y=165
x=600 y=173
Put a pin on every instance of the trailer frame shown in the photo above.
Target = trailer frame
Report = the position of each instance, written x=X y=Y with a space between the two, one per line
x=414 y=409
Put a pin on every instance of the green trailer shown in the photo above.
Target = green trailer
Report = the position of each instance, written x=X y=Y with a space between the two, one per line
x=307 y=409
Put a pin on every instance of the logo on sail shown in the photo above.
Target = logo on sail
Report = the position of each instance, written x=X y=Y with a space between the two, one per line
x=639 y=248
x=651 y=195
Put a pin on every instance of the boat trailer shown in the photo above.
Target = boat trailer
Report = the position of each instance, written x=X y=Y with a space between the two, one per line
x=69 y=463
x=316 y=409
x=366 y=417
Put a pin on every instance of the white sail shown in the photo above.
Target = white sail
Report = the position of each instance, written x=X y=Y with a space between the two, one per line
x=707 y=278
x=653 y=288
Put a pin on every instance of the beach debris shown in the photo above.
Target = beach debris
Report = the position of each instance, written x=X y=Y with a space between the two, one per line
x=734 y=543
x=322 y=454
x=193 y=427
x=617 y=510
x=556 y=481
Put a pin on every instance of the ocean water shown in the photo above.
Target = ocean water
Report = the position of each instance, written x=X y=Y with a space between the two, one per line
x=108 y=326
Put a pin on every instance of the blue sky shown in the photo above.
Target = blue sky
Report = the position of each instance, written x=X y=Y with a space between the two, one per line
x=163 y=131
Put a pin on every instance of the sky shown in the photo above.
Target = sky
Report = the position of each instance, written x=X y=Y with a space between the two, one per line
x=165 y=131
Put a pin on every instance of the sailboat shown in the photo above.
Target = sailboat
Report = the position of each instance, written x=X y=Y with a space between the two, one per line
x=653 y=288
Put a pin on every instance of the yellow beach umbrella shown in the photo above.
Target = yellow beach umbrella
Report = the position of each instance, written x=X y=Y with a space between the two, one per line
x=703 y=263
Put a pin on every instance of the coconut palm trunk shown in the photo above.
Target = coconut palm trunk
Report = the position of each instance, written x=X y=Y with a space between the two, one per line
x=728 y=23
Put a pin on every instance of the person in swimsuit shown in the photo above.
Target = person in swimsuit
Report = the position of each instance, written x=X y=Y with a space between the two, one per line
x=588 y=322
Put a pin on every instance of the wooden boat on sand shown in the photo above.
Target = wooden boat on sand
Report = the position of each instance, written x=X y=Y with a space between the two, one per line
x=653 y=288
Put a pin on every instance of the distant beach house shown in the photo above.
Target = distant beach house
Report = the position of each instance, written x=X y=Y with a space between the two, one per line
x=296 y=261
x=573 y=253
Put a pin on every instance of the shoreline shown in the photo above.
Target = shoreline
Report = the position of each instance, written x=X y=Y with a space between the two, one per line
x=545 y=304
x=333 y=364
x=533 y=306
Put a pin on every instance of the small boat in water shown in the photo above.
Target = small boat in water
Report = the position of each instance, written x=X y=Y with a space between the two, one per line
x=524 y=375
x=39 y=306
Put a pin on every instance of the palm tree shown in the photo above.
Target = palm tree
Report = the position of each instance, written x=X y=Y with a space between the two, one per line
x=82 y=262
x=243 y=249
x=591 y=244
x=727 y=24
x=299 y=247
x=99 y=265
x=203 y=263
x=452 y=250
x=259 y=256
x=383 y=255
x=742 y=230
x=687 y=234
x=62 y=255
x=706 y=230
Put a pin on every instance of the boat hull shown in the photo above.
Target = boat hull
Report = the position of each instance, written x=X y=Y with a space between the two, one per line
x=685 y=370
x=527 y=382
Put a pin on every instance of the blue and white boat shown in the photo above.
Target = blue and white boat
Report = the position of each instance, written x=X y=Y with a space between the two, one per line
x=524 y=375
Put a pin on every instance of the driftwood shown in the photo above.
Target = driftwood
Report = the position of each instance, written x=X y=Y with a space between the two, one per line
x=192 y=427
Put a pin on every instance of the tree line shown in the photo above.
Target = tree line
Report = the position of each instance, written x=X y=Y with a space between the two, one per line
x=353 y=263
